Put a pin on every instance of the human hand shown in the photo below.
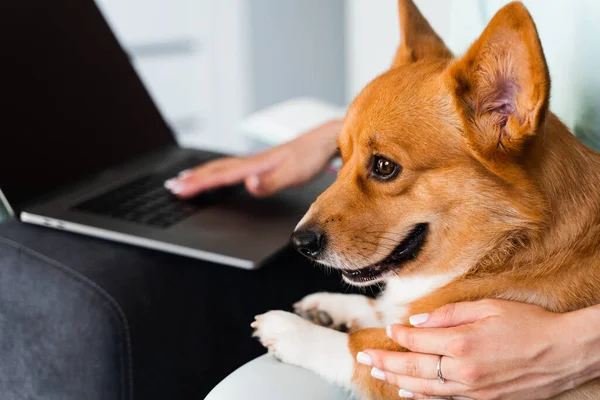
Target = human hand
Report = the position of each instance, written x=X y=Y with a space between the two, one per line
x=492 y=349
x=286 y=165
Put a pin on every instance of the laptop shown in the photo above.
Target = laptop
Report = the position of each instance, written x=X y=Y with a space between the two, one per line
x=84 y=149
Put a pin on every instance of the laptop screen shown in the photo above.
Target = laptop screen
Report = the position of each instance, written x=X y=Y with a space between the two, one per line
x=70 y=101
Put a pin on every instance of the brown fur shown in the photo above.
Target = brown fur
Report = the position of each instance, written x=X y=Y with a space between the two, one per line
x=512 y=195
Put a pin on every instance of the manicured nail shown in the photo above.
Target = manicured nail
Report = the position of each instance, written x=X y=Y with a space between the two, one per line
x=364 y=358
x=169 y=184
x=388 y=331
x=406 y=394
x=185 y=173
x=253 y=181
x=176 y=189
x=418 y=319
x=378 y=374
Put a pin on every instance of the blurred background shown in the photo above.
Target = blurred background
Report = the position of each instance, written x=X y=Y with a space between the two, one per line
x=211 y=63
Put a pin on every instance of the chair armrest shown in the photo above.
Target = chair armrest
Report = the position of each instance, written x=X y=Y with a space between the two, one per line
x=61 y=336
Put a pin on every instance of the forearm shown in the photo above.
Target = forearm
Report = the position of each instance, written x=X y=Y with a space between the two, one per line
x=582 y=327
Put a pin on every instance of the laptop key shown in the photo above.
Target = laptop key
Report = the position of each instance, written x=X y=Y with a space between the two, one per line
x=145 y=201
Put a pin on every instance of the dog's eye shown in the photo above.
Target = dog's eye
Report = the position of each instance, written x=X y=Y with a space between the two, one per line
x=384 y=168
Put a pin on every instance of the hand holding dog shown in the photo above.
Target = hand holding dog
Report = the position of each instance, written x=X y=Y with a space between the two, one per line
x=286 y=165
x=492 y=349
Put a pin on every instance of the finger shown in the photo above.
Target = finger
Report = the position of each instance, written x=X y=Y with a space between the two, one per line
x=192 y=178
x=428 y=341
x=222 y=173
x=453 y=315
x=415 y=365
x=422 y=396
x=425 y=388
x=271 y=181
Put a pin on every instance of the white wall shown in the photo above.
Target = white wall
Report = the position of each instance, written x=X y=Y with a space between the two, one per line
x=298 y=49
x=373 y=34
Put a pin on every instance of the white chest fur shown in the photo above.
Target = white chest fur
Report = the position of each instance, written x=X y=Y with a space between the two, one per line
x=400 y=292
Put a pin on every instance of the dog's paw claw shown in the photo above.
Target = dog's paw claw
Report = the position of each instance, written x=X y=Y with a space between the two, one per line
x=326 y=309
x=324 y=318
x=279 y=332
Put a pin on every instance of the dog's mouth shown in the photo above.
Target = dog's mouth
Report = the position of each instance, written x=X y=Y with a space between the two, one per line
x=407 y=250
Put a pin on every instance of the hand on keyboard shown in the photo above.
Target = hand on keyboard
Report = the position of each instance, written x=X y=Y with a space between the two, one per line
x=145 y=201
x=286 y=165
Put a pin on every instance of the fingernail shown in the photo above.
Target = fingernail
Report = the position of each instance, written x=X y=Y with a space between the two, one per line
x=388 y=331
x=253 y=181
x=364 y=358
x=418 y=319
x=176 y=189
x=378 y=374
x=406 y=394
x=169 y=184
x=185 y=173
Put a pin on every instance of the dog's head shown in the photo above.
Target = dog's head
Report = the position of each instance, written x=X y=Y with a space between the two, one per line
x=433 y=177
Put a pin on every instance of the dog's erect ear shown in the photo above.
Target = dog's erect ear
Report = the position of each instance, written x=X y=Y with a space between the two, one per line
x=417 y=39
x=502 y=85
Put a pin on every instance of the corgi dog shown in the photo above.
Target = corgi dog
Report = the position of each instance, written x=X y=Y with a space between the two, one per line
x=457 y=184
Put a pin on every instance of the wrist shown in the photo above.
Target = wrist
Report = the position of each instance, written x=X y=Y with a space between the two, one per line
x=326 y=135
x=584 y=341
x=329 y=130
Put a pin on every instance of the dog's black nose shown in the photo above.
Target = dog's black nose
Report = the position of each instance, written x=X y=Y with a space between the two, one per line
x=308 y=243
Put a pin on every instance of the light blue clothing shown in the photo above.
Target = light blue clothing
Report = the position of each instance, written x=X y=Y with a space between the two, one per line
x=268 y=379
x=570 y=34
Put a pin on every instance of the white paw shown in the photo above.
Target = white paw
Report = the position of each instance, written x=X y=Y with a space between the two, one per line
x=299 y=342
x=343 y=312
x=282 y=334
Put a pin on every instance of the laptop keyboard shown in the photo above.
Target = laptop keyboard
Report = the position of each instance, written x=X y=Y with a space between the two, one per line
x=145 y=200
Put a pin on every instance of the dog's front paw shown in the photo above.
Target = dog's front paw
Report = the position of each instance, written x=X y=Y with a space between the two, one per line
x=341 y=312
x=281 y=333
x=299 y=342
